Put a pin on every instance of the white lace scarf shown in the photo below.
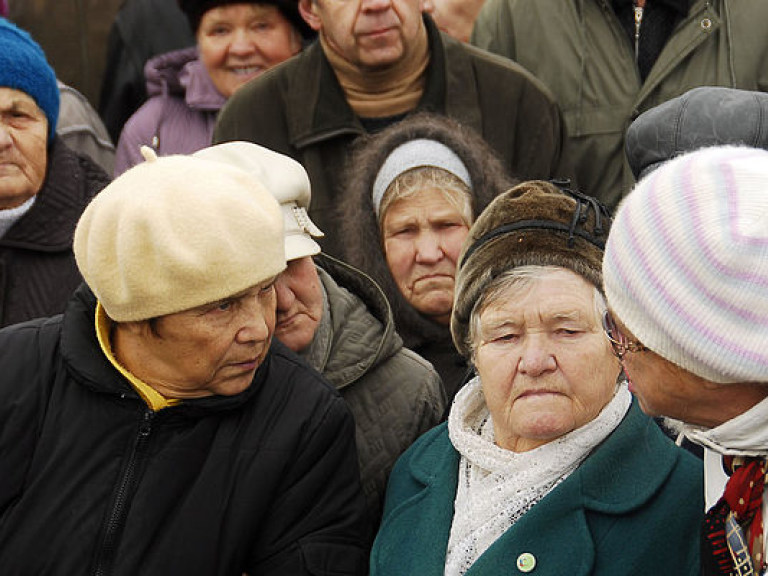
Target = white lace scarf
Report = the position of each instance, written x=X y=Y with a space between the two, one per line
x=497 y=486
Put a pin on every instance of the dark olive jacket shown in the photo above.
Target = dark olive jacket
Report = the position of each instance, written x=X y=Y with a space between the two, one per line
x=394 y=394
x=264 y=482
x=298 y=108
x=579 y=49
x=37 y=266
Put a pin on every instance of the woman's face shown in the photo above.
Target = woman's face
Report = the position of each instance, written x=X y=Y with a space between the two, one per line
x=665 y=389
x=422 y=235
x=212 y=349
x=545 y=363
x=238 y=42
x=23 y=147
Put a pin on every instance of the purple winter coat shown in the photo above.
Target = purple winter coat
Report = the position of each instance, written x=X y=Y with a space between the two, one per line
x=180 y=114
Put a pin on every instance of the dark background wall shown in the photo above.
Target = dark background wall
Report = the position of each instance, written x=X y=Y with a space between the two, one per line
x=73 y=34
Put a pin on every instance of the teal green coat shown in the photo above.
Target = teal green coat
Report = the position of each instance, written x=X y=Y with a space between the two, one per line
x=633 y=507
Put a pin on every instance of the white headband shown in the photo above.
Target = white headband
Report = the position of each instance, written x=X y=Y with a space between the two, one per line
x=417 y=154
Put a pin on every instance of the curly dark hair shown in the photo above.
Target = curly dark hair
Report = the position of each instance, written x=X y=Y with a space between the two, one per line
x=362 y=245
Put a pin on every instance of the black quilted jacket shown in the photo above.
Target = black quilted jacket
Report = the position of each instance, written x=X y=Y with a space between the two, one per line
x=93 y=482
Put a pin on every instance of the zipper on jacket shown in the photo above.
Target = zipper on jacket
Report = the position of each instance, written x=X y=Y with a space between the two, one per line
x=115 y=523
x=639 y=6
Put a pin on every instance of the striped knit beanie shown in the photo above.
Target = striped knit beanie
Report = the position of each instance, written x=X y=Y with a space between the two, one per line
x=686 y=263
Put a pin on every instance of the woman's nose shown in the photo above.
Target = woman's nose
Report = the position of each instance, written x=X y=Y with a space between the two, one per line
x=429 y=248
x=536 y=357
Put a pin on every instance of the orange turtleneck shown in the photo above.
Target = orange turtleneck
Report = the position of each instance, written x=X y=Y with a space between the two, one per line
x=389 y=91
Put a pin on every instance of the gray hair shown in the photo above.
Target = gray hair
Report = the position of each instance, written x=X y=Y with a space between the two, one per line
x=522 y=276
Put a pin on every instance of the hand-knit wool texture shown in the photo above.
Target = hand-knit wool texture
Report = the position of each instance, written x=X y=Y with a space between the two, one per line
x=23 y=67
x=497 y=486
x=686 y=263
x=177 y=232
x=413 y=154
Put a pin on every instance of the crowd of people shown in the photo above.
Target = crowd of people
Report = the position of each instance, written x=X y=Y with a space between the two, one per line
x=388 y=287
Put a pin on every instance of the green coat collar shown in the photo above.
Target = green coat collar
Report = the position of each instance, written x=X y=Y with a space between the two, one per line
x=614 y=481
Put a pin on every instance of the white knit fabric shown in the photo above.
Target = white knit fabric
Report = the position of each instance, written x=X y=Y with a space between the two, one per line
x=686 y=263
x=497 y=486
x=10 y=216
x=417 y=154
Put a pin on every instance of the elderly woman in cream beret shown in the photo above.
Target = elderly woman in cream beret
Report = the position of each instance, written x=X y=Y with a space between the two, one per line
x=546 y=465
x=156 y=427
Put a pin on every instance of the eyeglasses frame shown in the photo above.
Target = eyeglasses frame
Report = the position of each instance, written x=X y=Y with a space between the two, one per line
x=619 y=342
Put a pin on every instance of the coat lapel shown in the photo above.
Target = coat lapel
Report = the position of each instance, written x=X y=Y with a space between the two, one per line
x=428 y=512
x=558 y=531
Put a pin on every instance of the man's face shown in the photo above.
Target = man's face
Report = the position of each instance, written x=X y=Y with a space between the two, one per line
x=299 y=304
x=370 y=34
x=23 y=147
x=211 y=349
x=545 y=364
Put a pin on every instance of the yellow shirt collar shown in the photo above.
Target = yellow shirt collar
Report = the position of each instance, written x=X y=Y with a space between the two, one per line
x=152 y=397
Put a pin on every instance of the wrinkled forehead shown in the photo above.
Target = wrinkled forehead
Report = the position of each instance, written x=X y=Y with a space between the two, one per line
x=13 y=99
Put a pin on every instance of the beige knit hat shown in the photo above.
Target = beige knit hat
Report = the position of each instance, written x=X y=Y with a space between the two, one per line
x=288 y=183
x=177 y=232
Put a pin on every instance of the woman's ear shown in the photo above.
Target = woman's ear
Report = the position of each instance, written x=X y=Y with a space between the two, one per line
x=308 y=11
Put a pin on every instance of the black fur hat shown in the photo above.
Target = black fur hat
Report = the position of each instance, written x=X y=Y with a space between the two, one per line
x=194 y=9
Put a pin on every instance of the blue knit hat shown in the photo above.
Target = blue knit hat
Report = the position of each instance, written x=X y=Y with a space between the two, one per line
x=23 y=67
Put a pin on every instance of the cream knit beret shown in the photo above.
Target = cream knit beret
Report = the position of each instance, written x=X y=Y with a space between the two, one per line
x=686 y=263
x=177 y=232
x=288 y=183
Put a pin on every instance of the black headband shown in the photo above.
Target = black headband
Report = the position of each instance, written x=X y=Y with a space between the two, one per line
x=579 y=216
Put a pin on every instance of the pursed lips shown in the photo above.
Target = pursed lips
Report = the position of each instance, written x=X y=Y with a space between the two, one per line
x=247 y=363
x=539 y=392
x=433 y=276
